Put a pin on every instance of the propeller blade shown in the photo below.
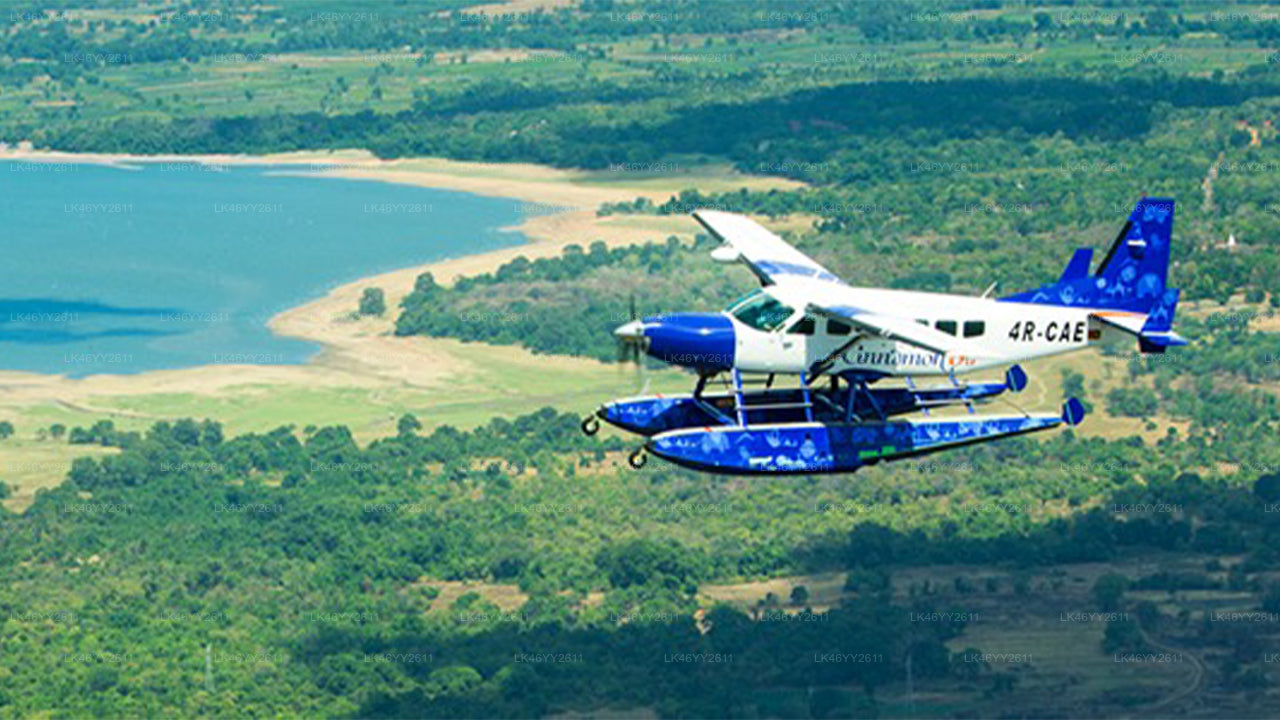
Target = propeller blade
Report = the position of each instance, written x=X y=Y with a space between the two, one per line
x=631 y=344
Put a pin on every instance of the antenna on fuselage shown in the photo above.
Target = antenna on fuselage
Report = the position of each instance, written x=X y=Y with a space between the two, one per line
x=987 y=293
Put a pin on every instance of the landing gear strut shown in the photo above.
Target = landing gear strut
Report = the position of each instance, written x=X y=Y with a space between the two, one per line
x=590 y=425
x=638 y=458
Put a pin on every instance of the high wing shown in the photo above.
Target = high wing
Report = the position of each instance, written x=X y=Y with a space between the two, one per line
x=770 y=257
x=888 y=326
x=776 y=262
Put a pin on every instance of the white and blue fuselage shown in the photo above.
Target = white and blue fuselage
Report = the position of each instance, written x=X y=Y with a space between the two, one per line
x=770 y=331
x=804 y=320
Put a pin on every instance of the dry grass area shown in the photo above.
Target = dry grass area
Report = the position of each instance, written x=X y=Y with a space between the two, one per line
x=511 y=7
x=29 y=464
x=1101 y=375
x=825 y=590
x=508 y=598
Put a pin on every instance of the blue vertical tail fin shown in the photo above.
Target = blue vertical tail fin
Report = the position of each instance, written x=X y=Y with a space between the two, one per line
x=1078 y=267
x=1133 y=275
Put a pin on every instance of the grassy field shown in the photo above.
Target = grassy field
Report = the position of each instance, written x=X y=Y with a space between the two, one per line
x=496 y=382
x=28 y=464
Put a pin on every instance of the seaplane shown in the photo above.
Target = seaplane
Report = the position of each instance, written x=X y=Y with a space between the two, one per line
x=834 y=342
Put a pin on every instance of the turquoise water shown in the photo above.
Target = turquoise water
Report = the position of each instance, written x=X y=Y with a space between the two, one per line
x=170 y=265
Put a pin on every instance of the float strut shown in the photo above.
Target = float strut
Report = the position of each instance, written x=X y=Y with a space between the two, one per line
x=862 y=387
x=739 y=402
x=911 y=385
x=808 y=397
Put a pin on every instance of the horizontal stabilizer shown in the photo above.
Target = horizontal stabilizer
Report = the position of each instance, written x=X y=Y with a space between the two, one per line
x=1157 y=342
x=1154 y=330
x=1129 y=322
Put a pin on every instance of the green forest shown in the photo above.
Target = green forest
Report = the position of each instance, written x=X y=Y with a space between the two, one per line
x=248 y=565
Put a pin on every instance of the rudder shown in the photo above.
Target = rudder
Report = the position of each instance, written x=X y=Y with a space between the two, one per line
x=1136 y=268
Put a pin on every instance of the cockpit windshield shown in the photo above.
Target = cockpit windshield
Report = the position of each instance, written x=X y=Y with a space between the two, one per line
x=761 y=311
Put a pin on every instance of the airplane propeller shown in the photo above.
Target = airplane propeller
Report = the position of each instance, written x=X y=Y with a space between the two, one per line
x=632 y=343
x=630 y=336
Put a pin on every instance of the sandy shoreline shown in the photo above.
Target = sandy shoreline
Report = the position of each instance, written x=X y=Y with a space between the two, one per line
x=364 y=352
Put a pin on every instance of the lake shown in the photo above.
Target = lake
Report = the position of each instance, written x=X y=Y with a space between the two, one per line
x=171 y=265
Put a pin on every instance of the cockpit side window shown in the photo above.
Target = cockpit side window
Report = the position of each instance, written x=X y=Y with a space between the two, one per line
x=804 y=326
x=762 y=312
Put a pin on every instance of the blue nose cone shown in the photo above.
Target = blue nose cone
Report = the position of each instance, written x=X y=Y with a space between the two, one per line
x=702 y=341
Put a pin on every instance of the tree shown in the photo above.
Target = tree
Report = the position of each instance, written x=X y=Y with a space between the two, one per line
x=1271 y=600
x=6 y=429
x=1122 y=634
x=57 y=430
x=1073 y=387
x=425 y=284
x=187 y=432
x=643 y=561
x=968 y=664
x=1267 y=487
x=1108 y=591
x=103 y=678
x=373 y=302
x=408 y=425
x=799 y=595
x=1132 y=402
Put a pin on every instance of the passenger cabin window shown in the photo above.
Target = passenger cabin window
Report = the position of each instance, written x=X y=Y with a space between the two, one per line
x=946 y=326
x=974 y=328
x=923 y=322
x=835 y=327
x=804 y=326
x=762 y=312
